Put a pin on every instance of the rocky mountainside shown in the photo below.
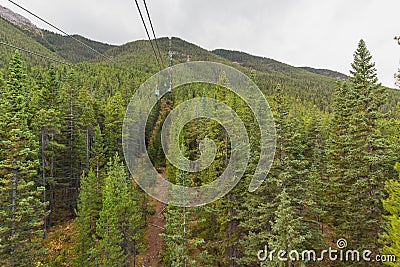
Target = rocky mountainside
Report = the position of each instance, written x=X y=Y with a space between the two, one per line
x=18 y=20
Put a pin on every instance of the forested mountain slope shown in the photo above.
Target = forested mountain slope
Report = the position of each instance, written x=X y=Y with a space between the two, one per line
x=69 y=48
x=297 y=82
x=67 y=198
x=18 y=37
x=325 y=72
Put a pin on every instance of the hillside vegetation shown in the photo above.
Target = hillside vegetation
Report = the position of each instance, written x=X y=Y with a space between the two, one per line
x=67 y=198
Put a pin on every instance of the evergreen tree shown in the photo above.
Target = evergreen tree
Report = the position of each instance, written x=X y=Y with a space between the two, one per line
x=315 y=183
x=119 y=224
x=73 y=156
x=283 y=191
x=88 y=209
x=361 y=163
x=20 y=204
x=285 y=230
x=109 y=247
x=97 y=159
x=114 y=115
x=390 y=238
x=181 y=241
x=48 y=124
x=87 y=121
x=182 y=244
x=358 y=156
x=288 y=226
x=339 y=159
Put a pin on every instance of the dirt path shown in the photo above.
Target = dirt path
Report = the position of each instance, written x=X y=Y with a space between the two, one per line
x=156 y=222
x=155 y=227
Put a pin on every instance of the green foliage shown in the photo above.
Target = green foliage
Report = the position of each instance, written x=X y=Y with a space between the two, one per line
x=283 y=212
x=47 y=124
x=88 y=209
x=334 y=154
x=285 y=228
x=70 y=49
x=114 y=115
x=97 y=153
x=358 y=155
x=183 y=248
x=18 y=37
x=312 y=88
x=118 y=226
x=390 y=238
x=328 y=73
x=20 y=203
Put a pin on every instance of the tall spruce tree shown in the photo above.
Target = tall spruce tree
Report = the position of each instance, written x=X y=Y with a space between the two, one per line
x=20 y=203
x=280 y=209
x=74 y=154
x=375 y=156
x=47 y=124
x=109 y=248
x=359 y=156
x=289 y=229
x=339 y=159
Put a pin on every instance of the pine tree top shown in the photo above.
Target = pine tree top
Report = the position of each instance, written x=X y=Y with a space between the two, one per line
x=363 y=69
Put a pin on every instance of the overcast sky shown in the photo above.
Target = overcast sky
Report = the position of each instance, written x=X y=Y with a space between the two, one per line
x=315 y=33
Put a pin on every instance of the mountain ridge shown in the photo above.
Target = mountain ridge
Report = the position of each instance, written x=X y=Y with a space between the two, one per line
x=70 y=50
x=326 y=72
x=311 y=86
x=18 y=20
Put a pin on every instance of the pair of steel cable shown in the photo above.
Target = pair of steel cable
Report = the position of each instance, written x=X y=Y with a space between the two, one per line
x=81 y=42
x=154 y=47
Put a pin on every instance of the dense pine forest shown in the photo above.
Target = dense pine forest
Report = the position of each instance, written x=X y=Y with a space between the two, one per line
x=68 y=199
